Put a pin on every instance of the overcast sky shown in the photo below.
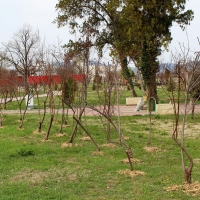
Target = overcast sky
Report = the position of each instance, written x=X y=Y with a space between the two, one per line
x=188 y=37
x=37 y=13
x=40 y=14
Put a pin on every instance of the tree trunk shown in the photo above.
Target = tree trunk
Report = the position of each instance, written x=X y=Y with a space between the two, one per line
x=26 y=84
x=44 y=113
x=23 y=115
x=40 y=127
x=187 y=171
x=50 y=125
x=63 y=117
x=76 y=125
x=192 y=101
x=151 y=90
x=188 y=175
x=129 y=154
x=149 y=67
x=127 y=75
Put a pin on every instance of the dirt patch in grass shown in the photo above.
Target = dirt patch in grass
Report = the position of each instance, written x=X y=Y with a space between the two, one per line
x=44 y=140
x=196 y=160
x=65 y=145
x=152 y=149
x=36 y=132
x=72 y=177
x=60 y=135
x=96 y=153
x=125 y=138
x=21 y=120
x=191 y=129
x=130 y=173
x=85 y=139
x=38 y=177
x=64 y=126
x=190 y=189
x=72 y=160
x=32 y=177
x=172 y=188
x=109 y=145
x=133 y=160
x=193 y=188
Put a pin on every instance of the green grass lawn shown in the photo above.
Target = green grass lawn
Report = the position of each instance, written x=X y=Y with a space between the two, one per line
x=32 y=168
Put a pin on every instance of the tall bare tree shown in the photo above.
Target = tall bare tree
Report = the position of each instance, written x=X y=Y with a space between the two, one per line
x=22 y=53
x=182 y=81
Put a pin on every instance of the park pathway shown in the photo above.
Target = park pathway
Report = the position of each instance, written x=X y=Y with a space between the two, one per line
x=123 y=111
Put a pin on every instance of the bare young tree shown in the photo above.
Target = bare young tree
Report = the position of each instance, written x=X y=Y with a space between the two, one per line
x=50 y=84
x=181 y=81
x=79 y=105
x=22 y=53
x=7 y=85
x=65 y=69
x=8 y=80
x=10 y=89
x=108 y=108
x=68 y=87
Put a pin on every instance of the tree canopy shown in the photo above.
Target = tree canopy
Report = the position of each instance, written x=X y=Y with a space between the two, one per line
x=149 y=24
x=136 y=29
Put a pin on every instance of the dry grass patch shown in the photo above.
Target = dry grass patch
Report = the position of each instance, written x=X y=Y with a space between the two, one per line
x=190 y=189
x=172 y=188
x=65 y=145
x=196 y=160
x=125 y=138
x=21 y=120
x=133 y=160
x=36 y=132
x=85 y=138
x=141 y=121
x=72 y=177
x=44 y=140
x=60 y=135
x=110 y=145
x=38 y=177
x=130 y=173
x=64 y=125
x=35 y=177
x=193 y=188
x=72 y=160
x=192 y=130
x=96 y=153
x=152 y=149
